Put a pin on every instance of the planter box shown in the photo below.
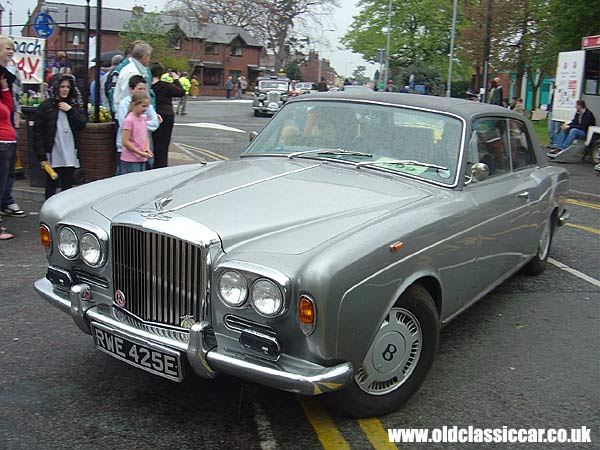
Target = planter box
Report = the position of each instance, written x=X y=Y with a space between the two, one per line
x=97 y=150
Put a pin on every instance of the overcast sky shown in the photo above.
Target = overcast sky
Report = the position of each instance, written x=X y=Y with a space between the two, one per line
x=344 y=62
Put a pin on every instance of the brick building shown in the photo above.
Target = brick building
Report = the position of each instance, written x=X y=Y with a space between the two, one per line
x=310 y=69
x=214 y=51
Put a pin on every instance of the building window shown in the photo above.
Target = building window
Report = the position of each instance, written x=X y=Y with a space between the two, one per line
x=211 y=49
x=236 y=51
x=213 y=77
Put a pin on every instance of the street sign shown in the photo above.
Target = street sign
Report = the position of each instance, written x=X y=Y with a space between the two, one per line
x=43 y=25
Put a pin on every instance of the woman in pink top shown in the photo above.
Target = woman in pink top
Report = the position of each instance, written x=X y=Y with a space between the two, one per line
x=136 y=145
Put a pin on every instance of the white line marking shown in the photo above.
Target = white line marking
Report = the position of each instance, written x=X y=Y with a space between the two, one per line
x=214 y=126
x=577 y=273
x=263 y=426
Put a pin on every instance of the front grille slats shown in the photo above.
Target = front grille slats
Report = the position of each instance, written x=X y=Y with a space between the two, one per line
x=161 y=276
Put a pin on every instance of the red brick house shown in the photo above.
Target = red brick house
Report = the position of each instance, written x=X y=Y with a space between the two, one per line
x=214 y=51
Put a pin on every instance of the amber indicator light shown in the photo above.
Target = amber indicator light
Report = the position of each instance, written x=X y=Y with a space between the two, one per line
x=45 y=236
x=306 y=311
x=396 y=246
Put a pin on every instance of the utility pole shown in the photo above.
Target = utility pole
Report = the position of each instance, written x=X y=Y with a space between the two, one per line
x=387 y=46
x=449 y=91
x=486 y=49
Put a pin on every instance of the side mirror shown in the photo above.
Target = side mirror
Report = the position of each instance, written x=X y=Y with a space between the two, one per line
x=480 y=171
x=252 y=135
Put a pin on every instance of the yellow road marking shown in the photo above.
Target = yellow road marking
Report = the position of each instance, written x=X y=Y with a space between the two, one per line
x=584 y=204
x=331 y=438
x=377 y=435
x=206 y=152
x=583 y=227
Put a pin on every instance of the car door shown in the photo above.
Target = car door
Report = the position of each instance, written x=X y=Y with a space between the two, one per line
x=501 y=214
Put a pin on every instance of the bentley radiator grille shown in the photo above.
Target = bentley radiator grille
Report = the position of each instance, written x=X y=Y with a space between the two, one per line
x=273 y=96
x=162 y=278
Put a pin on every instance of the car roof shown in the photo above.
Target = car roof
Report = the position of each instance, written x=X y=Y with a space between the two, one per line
x=460 y=107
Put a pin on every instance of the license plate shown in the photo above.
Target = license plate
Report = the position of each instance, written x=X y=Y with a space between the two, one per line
x=153 y=358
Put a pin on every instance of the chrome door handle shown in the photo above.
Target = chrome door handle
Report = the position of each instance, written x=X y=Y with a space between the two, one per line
x=523 y=195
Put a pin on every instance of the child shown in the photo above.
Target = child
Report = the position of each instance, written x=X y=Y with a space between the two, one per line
x=136 y=145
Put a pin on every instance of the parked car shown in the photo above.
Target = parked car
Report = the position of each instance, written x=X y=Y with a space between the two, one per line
x=324 y=260
x=270 y=95
x=304 y=87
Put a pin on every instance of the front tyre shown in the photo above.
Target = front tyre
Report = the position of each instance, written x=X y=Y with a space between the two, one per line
x=398 y=359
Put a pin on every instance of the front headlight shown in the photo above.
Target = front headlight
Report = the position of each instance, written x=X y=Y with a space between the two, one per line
x=91 y=251
x=68 y=244
x=233 y=288
x=266 y=297
x=262 y=96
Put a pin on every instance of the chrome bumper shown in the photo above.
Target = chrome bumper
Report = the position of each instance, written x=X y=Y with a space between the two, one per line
x=288 y=374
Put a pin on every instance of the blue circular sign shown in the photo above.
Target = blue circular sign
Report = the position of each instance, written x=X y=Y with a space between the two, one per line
x=43 y=25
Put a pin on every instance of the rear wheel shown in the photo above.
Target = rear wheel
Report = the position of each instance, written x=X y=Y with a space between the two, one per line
x=398 y=359
x=538 y=263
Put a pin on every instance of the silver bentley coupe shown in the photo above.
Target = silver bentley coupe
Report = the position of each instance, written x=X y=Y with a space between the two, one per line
x=324 y=260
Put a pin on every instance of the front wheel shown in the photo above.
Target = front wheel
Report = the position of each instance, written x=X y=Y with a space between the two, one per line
x=538 y=263
x=398 y=359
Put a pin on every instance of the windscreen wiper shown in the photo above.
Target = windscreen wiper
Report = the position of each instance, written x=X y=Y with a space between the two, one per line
x=400 y=162
x=324 y=151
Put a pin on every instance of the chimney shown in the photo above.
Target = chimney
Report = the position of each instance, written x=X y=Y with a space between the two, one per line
x=137 y=10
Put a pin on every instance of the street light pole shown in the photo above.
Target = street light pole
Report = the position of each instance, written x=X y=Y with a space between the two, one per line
x=320 y=58
x=486 y=49
x=448 y=92
x=387 y=46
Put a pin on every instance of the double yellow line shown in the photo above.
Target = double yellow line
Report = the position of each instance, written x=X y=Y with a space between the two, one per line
x=584 y=205
x=331 y=437
x=205 y=152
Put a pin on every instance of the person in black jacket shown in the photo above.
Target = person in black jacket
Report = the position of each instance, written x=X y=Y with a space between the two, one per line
x=164 y=92
x=577 y=128
x=58 y=119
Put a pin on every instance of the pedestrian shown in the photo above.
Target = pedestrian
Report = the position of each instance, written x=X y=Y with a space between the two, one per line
x=494 y=95
x=244 y=83
x=186 y=85
x=238 y=88
x=195 y=87
x=577 y=128
x=58 y=119
x=390 y=86
x=8 y=141
x=138 y=65
x=136 y=144
x=517 y=105
x=228 y=86
x=9 y=70
x=137 y=83
x=105 y=86
x=164 y=92
x=553 y=125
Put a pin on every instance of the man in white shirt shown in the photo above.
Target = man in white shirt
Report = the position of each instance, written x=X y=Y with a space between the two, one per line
x=138 y=65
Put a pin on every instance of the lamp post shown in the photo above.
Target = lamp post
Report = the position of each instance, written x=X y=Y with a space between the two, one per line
x=448 y=92
x=320 y=58
x=387 y=45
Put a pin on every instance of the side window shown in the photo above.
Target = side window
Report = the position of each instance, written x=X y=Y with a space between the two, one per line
x=520 y=148
x=489 y=145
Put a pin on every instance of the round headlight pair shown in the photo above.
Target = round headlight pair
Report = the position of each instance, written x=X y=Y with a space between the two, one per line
x=70 y=246
x=265 y=295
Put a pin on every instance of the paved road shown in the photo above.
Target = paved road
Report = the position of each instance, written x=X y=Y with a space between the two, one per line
x=526 y=356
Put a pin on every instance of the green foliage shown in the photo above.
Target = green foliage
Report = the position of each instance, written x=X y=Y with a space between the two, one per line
x=149 y=28
x=420 y=31
x=574 y=20
x=424 y=74
x=293 y=70
x=178 y=63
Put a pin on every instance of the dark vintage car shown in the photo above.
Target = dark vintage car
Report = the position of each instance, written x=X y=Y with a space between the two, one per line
x=270 y=94
x=325 y=260
x=303 y=87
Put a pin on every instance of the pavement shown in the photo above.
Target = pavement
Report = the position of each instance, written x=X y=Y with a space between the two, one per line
x=584 y=183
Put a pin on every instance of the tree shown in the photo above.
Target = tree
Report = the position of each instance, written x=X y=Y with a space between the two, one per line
x=573 y=21
x=293 y=70
x=149 y=28
x=420 y=31
x=275 y=22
